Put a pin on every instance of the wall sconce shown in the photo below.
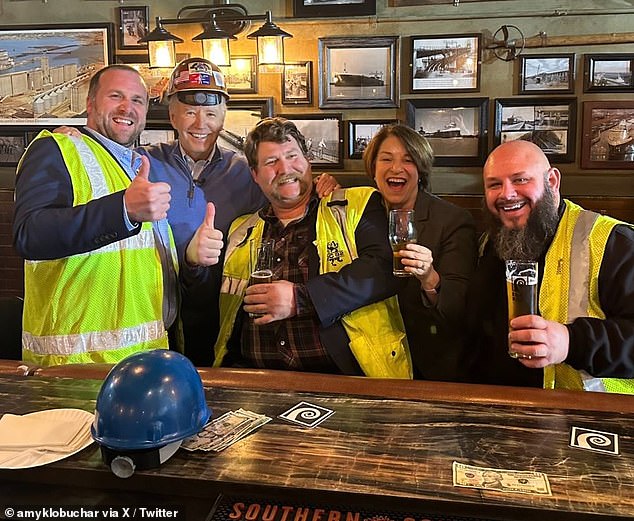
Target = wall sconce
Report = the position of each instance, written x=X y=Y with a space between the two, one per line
x=221 y=24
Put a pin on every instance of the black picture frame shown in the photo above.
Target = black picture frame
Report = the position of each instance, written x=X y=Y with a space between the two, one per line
x=608 y=72
x=358 y=72
x=62 y=100
x=13 y=143
x=242 y=115
x=156 y=79
x=297 y=83
x=327 y=8
x=361 y=131
x=445 y=63
x=324 y=138
x=607 y=135
x=241 y=76
x=550 y=123
x=546 y=74
x=457 y=128
x=133 y=24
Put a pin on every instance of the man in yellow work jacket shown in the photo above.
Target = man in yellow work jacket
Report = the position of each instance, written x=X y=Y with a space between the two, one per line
x=584 y=336
x=330 y=307
x=101 y=269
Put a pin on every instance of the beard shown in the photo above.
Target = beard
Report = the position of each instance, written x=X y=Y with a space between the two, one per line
x=530 y=241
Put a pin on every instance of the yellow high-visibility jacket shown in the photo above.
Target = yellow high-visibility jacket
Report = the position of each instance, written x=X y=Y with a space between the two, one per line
x=376 y=331
x=102 y=305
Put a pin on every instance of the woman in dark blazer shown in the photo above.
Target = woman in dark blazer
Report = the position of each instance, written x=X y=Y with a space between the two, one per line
x=432 y=300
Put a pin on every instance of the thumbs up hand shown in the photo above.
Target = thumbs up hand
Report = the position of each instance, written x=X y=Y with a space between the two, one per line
x=206 y=244
x=146 y=201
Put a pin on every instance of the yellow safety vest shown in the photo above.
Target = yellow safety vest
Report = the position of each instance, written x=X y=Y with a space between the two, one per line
x=570 y=289
x=376 y=331
x=99 y=306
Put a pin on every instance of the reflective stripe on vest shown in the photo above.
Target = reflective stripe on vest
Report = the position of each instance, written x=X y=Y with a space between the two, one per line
x=570 y=289
x=76 y=310
x=376 y=332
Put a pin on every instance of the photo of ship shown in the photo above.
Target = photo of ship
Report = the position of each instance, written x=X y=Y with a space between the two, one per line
x=6 y=62
x=450 y=131
x=514 y=122
x=612 y=73
x=359 y=73
x=544 y=125
x=358 y=80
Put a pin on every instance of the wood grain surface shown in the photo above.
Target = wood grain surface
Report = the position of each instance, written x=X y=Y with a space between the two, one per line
x=397 y=450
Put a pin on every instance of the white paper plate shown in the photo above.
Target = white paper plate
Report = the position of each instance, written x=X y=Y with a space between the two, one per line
x=29 y=458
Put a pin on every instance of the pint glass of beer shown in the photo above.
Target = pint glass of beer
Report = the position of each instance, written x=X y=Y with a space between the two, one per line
x=261 y=263
x=402 y=231
x=521 y=289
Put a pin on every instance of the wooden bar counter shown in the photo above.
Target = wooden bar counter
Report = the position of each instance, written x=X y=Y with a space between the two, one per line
x=389 y=447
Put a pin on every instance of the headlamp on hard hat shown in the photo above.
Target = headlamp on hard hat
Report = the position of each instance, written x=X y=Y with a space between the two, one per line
x=199 y=98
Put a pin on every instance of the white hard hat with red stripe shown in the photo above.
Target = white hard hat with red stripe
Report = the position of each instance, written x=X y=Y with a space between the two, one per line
x=197 y=81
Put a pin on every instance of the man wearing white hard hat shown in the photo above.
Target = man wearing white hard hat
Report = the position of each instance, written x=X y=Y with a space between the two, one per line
x=200 y=171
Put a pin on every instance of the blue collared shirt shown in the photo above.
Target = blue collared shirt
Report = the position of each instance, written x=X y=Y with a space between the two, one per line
x=130 y=161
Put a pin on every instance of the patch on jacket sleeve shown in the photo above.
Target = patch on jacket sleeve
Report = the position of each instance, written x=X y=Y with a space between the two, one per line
x=335 y=254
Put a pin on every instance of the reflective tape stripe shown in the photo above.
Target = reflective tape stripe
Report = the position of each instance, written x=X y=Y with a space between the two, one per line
x=579 y=283
x=143 y=240
x=93 y=168
x=93 y=341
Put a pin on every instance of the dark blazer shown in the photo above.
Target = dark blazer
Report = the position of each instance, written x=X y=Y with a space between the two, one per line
x=365 y=280
x=433 y=331
x=46 y=225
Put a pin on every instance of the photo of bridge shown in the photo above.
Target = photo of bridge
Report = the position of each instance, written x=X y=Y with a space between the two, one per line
x=445 y=63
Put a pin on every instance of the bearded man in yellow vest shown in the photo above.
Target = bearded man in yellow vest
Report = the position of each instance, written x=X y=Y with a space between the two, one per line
x=101 y=267
x=331 y=306
x=583 y=337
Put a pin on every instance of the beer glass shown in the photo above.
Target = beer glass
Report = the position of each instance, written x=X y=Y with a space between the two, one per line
x=261 y=263
x=521 y=290
x=402 y=231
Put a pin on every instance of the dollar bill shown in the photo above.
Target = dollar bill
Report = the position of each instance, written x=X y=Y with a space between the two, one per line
x=503 y=480
x=224 y=431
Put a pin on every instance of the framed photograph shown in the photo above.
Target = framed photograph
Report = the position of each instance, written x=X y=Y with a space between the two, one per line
x=608 y=135
x=46 y=71
x=242 y=75
x=449 y=62
x=297 y=83
x=322 y=8
x=12 y=146
x=360 y=132
x=608 y=73
x=156 y=133
x=547 y=74
x=358 y=72
x=456 y=128
x=242 y=116
x=324 y=138
x=156 y=79
x=549 y=123
x=133 y=24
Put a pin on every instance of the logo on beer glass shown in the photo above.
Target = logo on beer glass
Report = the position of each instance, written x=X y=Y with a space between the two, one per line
x=521 y=290
x=521 y=285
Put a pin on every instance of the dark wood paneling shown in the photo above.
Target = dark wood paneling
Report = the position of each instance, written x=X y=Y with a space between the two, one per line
x=11 y=265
